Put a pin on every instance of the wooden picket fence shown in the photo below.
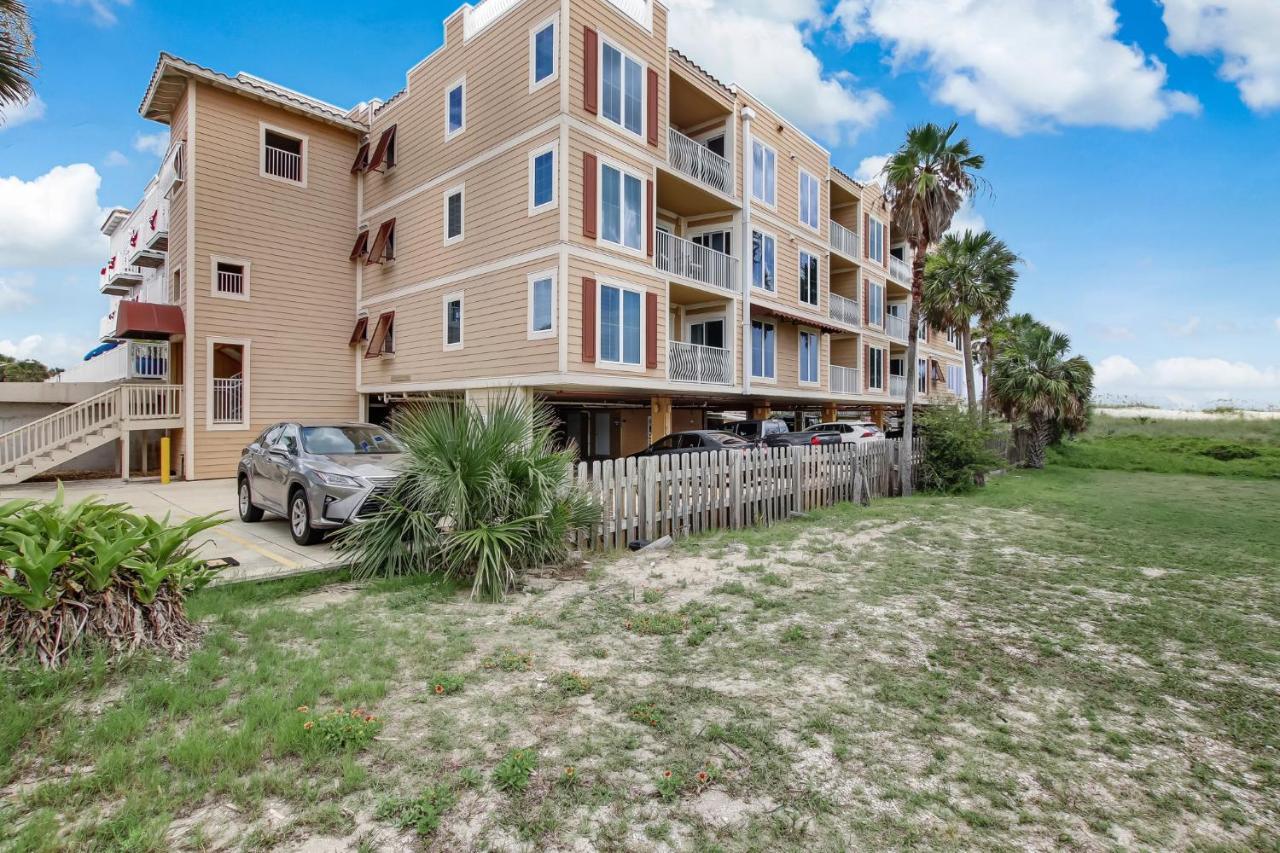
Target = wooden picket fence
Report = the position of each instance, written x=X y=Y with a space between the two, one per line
x=689 y=493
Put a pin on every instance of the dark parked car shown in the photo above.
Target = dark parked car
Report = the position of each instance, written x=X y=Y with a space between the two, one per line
x=801 y=439
x=695 y=441
x=756 y=430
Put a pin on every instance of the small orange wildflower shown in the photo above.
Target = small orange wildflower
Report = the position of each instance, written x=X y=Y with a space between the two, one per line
x=439 y=688
x=303 y=709
x=702 y=777
x=666 y=774
x=308 y=725
x=568 y=772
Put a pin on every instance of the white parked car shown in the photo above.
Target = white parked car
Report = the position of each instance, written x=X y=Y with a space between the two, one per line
x=851 y=432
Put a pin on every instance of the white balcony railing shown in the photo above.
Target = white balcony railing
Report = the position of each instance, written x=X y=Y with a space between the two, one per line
x=897 y=386
x=283 y=164
x=678 y=256
x=842 y=309
x=228 y=395
x=688 y=362
x=699 y=162
x=899 y=270
x=231 y=282
x=844 y=380
x=130 y=360
x=895 y=327
x=844 y=241
x=149 y=360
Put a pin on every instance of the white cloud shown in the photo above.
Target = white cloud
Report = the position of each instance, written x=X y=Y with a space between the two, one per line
x=869 y=170
x=1187 y=380
x=53 y=350
x=152 y=143
x=1021 y=65
x=23 y=113
x=103 y=12
x=115 y=158
x=15 y=293
x=967 y=219
x=761 y=46
x=1184 y=330
x=1115 y=370
x=53 y=220
x=1245 y=33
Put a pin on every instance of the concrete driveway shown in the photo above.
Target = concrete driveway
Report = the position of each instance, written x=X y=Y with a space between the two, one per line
x=263 y=550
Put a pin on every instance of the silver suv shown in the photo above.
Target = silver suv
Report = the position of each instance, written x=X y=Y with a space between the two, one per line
x=318 y=476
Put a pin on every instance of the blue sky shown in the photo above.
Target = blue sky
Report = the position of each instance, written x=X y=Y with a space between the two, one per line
x=1131 y=145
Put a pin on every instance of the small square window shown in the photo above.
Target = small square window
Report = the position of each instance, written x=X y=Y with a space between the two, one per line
x=455 y=109
x=230 y=278
x=282 y=156
x=543 y=52
x=453 y=215
x=453 y=321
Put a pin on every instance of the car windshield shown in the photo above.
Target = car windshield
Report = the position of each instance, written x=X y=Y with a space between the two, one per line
x=339 y=440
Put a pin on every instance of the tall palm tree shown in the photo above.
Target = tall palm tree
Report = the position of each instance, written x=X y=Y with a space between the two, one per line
x=926 y=181
x=967 y=276
x=1035 y=382
x=17 y=53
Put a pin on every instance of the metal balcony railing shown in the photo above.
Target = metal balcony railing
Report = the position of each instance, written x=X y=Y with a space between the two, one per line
x=688 y=362
x=844 y=241
x=842 y=309
x=684 y=258
x=699 y=162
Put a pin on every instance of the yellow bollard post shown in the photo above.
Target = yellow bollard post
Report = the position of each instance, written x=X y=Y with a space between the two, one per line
x=164 y=460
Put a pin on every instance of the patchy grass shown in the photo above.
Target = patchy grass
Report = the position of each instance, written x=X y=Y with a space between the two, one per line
x=1231 y=447
x=1069 y=659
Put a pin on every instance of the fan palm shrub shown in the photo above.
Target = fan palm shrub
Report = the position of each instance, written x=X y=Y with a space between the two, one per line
x=17 y=54
x=1040 y=389
x=95 y=572
x=926 y=181
x=484 y=496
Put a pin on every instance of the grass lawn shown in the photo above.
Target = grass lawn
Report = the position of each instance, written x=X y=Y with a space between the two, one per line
x=1071 y=659
x=1229 y=447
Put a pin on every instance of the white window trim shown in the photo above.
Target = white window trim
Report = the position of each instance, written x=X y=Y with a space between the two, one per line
x=620 y=365
x=644 y=89
x=817 y=229
x=770 y=380
x=460 y=82
x=750 y=258
x=884 y=369
x=459 y=297
x=817 y=380
x=246 y=414
x=884 y=260
x=817 y=259
x=884 y=305
x=554 y=149
x=214 y=260
x=733 y=229
x=460 y=189
x=303 y=138
x=691 y=321
x=641 y=252
x=535 y=85
x=752 y=189
x=542 y=334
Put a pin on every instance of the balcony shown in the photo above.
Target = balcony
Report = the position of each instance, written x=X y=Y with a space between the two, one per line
x=686 y=259
x=156 y=229
x=845 y=380
x=899 y=270
x=131 y=360
x=844 y=241
x=699 y=162
x=897 y=386
x=842 y=309
x=228 y=396
x=895 y=327
x=121 y=280
x=688 y=362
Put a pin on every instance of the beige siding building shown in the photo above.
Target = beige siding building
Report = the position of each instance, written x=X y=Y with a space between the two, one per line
x=556 y=202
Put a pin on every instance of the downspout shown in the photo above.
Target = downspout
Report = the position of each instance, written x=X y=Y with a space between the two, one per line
x=748 y=163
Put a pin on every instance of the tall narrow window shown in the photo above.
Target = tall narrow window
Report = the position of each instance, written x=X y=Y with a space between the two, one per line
x=764 y=164
x=810 y=194
x=453 y=321
x=763 y=260
x=875 y=368
x=620 y=325
x=621 y=208
x=875 y=241
x=542 y=55
x=455 y=108
x=922 y=377
x=875 y=304
x=810 y=345
x=453 y=215
x=542 y=180
x=762 y=349
x=621 y=89
x=808 y=278
x=542 y=302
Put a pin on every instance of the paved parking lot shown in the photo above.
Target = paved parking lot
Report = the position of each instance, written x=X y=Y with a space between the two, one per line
x=263 y=550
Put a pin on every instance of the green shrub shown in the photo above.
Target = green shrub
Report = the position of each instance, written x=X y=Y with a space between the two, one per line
x=94 y=572
x=341 y=730
x=423 y=813
x=573 y=684
x=484 y=496
x=443 y=683
x=508 y=659
x=515 y=769
x=956 y=450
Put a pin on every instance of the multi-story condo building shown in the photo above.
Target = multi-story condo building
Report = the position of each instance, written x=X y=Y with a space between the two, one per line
x=556 y=202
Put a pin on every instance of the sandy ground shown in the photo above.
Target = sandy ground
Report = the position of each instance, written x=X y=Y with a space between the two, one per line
x=1184 y=415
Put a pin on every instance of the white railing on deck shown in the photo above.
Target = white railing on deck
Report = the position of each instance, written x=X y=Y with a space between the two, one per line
x=699 y=162
x=476 y=18
x=148 y=359
x=688 y=362
x=640 y=11
x=228 y=396
x=897 y=386
x=152 y=402
x=844 y=241
x=844 y=380
x=895 y=327
x=678 y=256
x=130 y=360
x=899 y=270
x=842 y=309
x=283 y=164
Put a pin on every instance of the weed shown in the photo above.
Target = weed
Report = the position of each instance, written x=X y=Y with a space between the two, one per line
x=795 y=634
x=573 y=684
x=443 y=683
x=508 y=659
x=648 y=714
x=422 y=813
x=668 y=784
x=340 y=730
x=515 y=769
x=469 y=777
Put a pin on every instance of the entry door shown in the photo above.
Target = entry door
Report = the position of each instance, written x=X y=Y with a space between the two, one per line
x=721 y=241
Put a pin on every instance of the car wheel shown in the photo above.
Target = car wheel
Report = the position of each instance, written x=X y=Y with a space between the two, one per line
x=300 y=520
x=244 y=502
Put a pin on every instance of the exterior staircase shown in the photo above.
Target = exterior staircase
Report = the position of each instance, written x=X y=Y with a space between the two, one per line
x=36 y=447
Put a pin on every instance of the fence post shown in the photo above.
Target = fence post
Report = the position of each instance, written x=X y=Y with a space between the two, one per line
x=797 y=479
x=735 y=489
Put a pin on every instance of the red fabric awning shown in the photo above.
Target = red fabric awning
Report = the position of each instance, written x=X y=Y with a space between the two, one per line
x=819 y=323
x=148 y=319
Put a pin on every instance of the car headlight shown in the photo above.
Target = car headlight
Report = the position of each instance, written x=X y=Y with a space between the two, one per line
x=339 y=480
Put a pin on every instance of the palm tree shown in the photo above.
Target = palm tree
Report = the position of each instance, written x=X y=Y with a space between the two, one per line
x=1036 y=383
x=926 y=181
x=967 y=276
x=996 y=335
x=17 y=53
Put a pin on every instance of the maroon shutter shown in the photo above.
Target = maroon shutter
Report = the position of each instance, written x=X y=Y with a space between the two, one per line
x=361 y=246
x=588 y=320
x=379 y=340
x=380 y=152
x=358 y=333
x=361 y=163
x=649 y=217
x=590 y=70
x=653 y=107
x=866 y=303
x=589 y=176
x=651 y=330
